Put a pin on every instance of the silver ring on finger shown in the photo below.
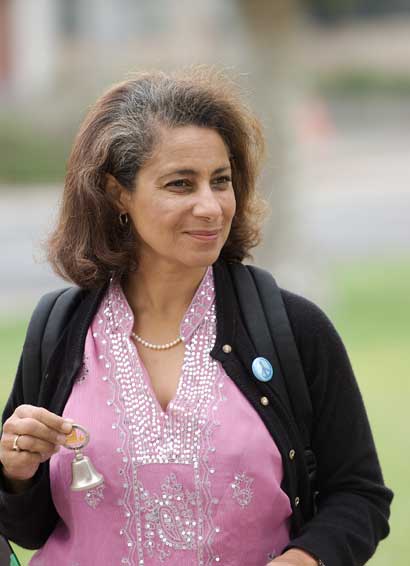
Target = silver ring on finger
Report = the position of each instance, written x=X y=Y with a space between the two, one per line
x=16 y=447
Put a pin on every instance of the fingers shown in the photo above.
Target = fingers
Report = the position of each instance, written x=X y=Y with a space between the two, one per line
x=47 y=455
x=40 y=434
x=23 y=459
x=21 y=465
x=33 y=444
x=51 y=420
x=33 y=428
x=38 y=423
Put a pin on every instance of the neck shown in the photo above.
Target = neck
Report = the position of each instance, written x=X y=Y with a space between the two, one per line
x=162 y=290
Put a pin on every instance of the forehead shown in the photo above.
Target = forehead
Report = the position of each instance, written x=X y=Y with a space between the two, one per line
x=188 y=146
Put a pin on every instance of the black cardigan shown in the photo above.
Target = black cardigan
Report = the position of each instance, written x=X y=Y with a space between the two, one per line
x=353 y=503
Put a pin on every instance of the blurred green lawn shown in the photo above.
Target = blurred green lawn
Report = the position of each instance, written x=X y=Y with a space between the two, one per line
x=371 y=310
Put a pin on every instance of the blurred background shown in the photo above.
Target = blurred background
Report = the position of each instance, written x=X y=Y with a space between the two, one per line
x=330 y=81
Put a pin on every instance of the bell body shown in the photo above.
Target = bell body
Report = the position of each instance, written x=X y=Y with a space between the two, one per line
x=84 y=475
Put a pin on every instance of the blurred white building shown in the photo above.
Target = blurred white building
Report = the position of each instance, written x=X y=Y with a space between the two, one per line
x=28 y=45
x=43 y=42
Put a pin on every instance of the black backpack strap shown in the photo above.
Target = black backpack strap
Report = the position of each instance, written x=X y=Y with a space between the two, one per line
x=44 y=329
x=284 y=341
x=255 y=322
x=60 y=314
x=32 y=354
x=295 y=379
x=267 y=323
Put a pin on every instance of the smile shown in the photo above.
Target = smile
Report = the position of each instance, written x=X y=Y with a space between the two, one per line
x=204 y=235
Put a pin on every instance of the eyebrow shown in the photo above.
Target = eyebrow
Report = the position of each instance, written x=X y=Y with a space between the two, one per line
x=193 y=172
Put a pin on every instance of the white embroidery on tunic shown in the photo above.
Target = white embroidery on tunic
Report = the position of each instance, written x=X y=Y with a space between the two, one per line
x=169 y=517
x=94 y=496
x=149 y=435
x=209 y=452
x=241 y=489
x=109 y=344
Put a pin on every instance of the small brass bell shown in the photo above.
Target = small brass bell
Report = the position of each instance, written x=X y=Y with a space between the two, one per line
x=84 y=475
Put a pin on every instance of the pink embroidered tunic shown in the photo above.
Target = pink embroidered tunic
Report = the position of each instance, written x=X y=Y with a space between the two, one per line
x=197 y=484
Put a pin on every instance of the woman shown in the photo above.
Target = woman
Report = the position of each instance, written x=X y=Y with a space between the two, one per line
x=159 y=198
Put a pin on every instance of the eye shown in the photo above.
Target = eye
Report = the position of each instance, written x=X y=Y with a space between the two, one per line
x=179 y=183
x=223 y=180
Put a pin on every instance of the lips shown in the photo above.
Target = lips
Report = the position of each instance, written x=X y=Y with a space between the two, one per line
x=205 y=235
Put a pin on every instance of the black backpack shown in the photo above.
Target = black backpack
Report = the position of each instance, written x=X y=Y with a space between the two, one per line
x=265 y=318
x=263 y=314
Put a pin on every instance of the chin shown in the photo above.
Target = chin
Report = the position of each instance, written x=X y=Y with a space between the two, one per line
x=201 y=259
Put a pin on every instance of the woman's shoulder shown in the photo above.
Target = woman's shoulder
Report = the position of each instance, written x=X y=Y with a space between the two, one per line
x=56 y=308
x=52 y=301
x=65 y=298
x=305 y=316
x=316 y=337
x=309 y=323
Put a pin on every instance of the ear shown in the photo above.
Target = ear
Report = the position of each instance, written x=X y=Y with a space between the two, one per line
x=118 y=195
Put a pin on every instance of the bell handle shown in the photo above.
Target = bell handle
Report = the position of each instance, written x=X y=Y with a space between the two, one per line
x=86 y=439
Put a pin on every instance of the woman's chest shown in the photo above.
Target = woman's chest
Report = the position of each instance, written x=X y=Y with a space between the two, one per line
x=196 y=483
x=180 y=483
x=164 y=371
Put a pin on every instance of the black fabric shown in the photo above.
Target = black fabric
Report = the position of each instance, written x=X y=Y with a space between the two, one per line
x=264 y=315
x=265 y=318
x=295 y=380
x=67 y=356
x=32 y=349
x=353 y=502
x=65 y=302
x=255 y=321
x=282 y=336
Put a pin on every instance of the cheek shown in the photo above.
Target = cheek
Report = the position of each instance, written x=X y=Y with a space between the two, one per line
x=151 y=211
x=230 y=205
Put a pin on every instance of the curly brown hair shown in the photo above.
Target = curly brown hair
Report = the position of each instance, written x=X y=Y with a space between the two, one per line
x=117 y=137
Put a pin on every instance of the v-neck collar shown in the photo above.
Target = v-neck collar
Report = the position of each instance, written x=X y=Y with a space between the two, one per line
x=203 y=299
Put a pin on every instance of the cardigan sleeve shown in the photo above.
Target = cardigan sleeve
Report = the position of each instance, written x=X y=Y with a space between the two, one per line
x=353 y=502
x=27 y=518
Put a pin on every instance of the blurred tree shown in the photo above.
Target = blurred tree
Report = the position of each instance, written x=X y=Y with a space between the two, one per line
x=273 y=64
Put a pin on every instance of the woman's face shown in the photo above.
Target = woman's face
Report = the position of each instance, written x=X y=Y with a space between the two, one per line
x=183 y=203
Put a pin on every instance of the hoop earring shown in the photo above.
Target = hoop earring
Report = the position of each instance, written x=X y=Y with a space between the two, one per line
x=123 y=219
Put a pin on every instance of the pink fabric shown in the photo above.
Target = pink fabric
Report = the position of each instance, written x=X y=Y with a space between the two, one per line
x=197 y=484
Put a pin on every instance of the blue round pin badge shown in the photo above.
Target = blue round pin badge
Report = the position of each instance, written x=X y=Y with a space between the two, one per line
x=262 y=369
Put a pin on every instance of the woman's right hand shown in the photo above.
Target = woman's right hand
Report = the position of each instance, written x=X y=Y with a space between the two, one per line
x=40 y=434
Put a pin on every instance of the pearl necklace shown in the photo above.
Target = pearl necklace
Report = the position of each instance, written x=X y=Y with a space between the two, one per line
x=156 y=346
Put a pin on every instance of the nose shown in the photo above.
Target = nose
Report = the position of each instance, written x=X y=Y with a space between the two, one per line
x=207 y=204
